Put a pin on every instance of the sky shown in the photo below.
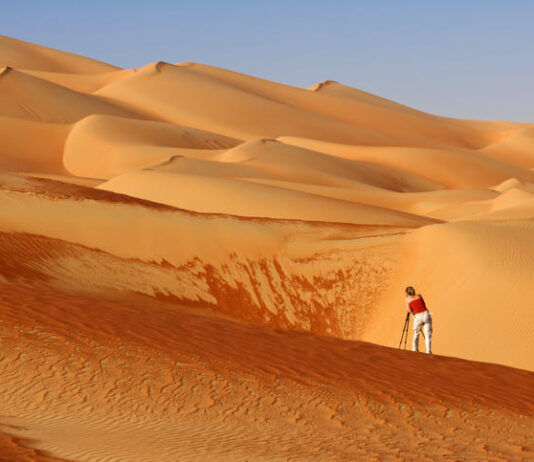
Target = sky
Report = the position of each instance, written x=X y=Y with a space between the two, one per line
x=471 y=59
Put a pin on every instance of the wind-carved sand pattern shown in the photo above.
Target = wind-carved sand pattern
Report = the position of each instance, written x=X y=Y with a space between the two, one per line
x=181 y=281
x=206 y=387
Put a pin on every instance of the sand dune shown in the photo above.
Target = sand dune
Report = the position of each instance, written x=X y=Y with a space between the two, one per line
x=31 y=146
x=465 y=265
x=511 y=200
x=353 y=273
x=271 y=174
x=431 y=204
x=190 y=259
x=291 y=163
x=102 y=145
x=180 y=95
x=349 y=105
x=25 y=55
x=237 y=197
x=450 y=169
x=84 y=83
x=191 y=387
x=516 y=148
x=24 y=96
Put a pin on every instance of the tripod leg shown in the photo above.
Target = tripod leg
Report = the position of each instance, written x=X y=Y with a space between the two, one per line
x=405 y=332
x=402 y=336
x=407 y=326
x=407 y=329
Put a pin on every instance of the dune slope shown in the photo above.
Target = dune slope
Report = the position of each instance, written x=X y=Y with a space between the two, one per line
x=192 y=259
x=25 y=55
x=25 y=96
x=192 y=388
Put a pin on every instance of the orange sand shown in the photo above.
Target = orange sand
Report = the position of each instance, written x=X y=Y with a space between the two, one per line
x=155 y=383
x=192 y=259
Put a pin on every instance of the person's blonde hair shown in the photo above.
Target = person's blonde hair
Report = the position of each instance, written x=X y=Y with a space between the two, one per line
x=410 y=290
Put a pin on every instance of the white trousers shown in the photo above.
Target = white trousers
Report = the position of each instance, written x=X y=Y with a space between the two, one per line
x=422 y=321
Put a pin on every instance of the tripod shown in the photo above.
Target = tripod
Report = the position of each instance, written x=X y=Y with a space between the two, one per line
x=405 y=331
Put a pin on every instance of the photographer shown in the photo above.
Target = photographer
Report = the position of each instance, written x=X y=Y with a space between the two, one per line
x=422 y=319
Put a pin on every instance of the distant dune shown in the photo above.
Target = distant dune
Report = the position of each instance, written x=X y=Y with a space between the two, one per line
x=192 y=261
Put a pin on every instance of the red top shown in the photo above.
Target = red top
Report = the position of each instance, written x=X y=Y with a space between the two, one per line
x=418 y=305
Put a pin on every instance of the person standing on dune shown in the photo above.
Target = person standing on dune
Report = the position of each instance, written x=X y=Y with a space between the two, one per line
x=422 y=319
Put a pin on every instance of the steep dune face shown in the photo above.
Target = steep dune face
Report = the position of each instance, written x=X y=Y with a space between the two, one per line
x=157 y=224
x=285 y=274
x=460 y=266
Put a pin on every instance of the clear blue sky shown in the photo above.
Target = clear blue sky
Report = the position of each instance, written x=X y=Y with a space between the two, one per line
x=470 y=58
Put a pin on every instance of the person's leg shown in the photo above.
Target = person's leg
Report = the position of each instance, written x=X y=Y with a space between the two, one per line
x=417 y=325
x=428 y=333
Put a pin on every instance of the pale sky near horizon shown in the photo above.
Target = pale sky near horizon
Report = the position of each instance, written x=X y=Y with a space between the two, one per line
x=470 y=59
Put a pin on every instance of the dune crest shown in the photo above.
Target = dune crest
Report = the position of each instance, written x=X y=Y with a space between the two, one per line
x=321 y=85
x=193 y=259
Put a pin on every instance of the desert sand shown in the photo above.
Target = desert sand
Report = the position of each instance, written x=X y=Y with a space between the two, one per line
x=196 y=264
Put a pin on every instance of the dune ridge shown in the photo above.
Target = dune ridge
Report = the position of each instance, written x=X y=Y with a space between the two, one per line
x=192 y=261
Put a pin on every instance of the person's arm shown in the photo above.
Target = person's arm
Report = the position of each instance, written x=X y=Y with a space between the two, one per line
x=408 y=309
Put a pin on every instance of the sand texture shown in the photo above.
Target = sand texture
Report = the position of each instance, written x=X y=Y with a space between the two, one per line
x=196 y=264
